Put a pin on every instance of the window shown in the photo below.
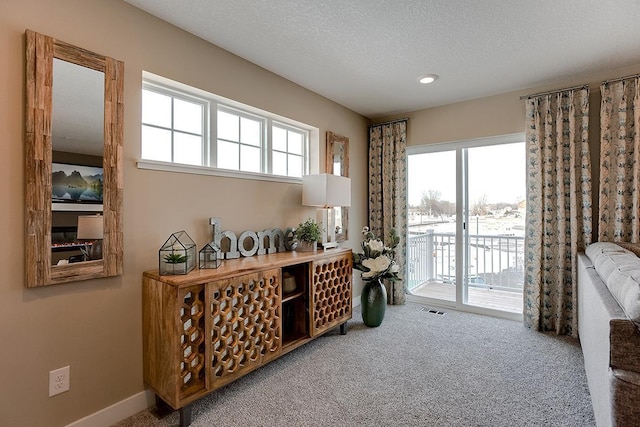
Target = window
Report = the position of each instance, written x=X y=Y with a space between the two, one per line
x=245 y=140
x=287 y=150
x=239 y=141
x=173 y=127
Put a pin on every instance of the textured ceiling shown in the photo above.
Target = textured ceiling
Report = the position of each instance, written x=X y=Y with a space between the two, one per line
x=368 y=54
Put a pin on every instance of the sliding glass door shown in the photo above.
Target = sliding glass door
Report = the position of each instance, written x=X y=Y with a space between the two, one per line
x=466 y=224
x=432 y=251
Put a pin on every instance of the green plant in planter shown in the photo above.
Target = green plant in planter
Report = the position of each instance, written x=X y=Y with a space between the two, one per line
x=174 y=258
x=309 y=231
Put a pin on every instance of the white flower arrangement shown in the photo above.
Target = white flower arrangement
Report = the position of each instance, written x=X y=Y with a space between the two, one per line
x=377 y=260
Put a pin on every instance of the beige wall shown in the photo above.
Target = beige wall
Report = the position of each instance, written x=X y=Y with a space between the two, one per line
x=497 y=115
x=95 y=326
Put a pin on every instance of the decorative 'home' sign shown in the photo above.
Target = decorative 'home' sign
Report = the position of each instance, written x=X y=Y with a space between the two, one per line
x=250 y=243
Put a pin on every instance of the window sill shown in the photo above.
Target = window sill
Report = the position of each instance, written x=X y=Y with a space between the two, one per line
x=204 y=170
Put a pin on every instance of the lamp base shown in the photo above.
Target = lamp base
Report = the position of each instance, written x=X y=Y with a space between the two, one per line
x=330 y=245
x=326 y=218
x=95 y=252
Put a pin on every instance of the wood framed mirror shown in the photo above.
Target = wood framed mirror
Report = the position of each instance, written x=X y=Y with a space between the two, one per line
x=338 y=164
x=60 y=81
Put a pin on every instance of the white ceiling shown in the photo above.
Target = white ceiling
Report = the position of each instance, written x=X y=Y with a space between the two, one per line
x=368 y=54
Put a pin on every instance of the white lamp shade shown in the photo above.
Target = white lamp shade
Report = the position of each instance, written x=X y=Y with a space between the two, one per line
x=326 y=190
x=90 y=227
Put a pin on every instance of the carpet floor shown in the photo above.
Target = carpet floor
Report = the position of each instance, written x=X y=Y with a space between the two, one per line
x=416 y=369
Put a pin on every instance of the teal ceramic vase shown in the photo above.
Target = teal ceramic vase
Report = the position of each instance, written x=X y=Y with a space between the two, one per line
x=373 y=302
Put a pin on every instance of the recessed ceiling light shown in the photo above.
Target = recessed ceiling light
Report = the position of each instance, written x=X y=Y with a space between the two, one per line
x=426 y=79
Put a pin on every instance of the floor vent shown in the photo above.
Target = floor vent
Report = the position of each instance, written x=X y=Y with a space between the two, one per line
x=432 y=311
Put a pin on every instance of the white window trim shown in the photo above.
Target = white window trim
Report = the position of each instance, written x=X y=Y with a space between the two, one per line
x=312 y=145
x=206 y=170
x=510 y=138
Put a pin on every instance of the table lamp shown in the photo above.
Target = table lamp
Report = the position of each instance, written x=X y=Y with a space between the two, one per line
x=91 y=228
x=326 y=191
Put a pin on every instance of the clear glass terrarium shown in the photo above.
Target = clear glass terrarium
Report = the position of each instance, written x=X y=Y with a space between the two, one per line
x=177 y=255
x=209 y=256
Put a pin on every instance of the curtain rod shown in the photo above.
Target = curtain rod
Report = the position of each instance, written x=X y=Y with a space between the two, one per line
x=553 y=91
x=406 y=119
x=621 y=78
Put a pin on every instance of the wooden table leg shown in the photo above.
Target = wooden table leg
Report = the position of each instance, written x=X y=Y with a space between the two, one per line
x=162 y=408
x=185 y=415
x=343 y=329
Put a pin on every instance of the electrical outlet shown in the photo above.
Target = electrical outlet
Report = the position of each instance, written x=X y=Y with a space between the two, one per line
x=59 y=380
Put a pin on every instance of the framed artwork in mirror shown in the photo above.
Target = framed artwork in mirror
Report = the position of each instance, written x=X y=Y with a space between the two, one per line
x=73 y=162
x=338 y=164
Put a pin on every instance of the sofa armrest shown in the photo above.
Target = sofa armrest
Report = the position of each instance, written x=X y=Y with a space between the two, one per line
x=623 y=335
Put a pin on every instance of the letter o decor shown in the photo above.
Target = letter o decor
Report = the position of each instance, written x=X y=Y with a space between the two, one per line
x=243 y=238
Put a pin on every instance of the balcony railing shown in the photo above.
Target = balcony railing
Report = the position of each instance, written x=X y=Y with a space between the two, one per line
x=495 y=262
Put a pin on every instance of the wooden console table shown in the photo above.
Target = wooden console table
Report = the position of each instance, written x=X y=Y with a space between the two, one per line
x=210 y=327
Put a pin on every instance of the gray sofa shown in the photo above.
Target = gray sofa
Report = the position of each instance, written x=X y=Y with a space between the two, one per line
x=609 y=329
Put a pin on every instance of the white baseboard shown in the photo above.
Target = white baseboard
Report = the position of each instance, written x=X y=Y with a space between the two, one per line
x=118 y=411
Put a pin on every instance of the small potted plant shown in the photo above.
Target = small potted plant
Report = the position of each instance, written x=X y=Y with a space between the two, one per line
x=178 y=254
x=308 y=234
x=177 y=262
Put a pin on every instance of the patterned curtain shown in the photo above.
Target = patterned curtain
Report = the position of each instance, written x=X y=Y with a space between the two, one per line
x=559 y=219
x=388 y=193
x=620 y=161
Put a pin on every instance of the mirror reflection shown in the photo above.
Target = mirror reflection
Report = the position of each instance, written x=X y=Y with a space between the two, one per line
x=338 y=159
x=338 y=164
x=338 y=167
x=77 y=134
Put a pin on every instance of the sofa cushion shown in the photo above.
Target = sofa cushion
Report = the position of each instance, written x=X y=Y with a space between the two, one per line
x=633 y=247
x=623 y=285
x=597 y=249
x=625 y=390
x=620 y=271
